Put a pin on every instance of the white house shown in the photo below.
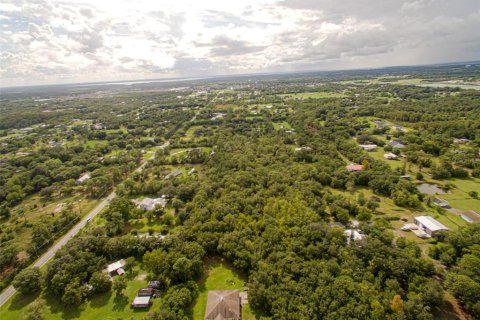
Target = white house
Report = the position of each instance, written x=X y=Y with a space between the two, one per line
x=116 y=267
x=368 y=147
x=396 y=144
x=429 y=225
x=354 y=235
x=150 y=204
x=84 y=178
x=390 y=156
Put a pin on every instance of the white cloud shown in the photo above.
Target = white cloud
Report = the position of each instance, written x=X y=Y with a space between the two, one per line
x=89 y=40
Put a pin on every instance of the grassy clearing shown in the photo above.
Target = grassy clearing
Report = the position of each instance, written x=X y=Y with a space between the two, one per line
x=458 y=197
x=378 y=155
x=34 y=208
x=189 y=135
x=101 y=306
x=219 y=276
x=278 y=125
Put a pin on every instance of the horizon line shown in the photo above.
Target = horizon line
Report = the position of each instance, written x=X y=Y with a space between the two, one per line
x=192 y=78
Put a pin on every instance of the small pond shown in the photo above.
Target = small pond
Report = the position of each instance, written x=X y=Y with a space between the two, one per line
x=430 y=189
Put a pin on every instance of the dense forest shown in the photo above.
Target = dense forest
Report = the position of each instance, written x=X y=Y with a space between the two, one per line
x=264 y=183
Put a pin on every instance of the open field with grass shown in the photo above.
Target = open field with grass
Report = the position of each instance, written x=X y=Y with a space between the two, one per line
x=219 y=276
x=35 y=208
x=278 y=125
x=458 y=197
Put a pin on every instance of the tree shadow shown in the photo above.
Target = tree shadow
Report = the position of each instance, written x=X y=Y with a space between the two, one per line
x=120 y=302
x=99 y=300
x=56 y=306
x=22 y=300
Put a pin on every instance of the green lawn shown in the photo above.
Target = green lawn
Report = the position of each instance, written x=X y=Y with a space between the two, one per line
x=219 y=276
x=277 y=125
x=378 y=155
x=458 y=197
x=37 y=208
x=100 y=306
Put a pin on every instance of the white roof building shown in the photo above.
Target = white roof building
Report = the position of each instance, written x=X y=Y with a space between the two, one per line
x=116 y=267
x=150 y=204
x=429 y=225
x=353 y=235
x=368 y=147
x=390 y=156
x=84 y=178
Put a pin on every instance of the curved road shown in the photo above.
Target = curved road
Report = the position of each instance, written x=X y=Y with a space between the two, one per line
x=10 y=290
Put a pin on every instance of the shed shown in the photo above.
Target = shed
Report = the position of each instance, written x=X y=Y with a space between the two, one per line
x=429 y=225
x=154 y=284
x=141 y=302
x=223 y=305
x=145 y=292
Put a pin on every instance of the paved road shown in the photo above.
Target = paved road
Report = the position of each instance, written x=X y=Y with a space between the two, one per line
x=10 y=290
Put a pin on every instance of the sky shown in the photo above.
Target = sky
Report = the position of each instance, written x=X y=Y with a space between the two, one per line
x=55 y=41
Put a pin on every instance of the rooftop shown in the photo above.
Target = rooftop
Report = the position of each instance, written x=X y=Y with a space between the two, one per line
x=430 y=223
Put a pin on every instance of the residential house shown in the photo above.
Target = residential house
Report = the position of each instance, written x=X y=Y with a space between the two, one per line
x=354 y=167
x=368 y=147
x=396 y=144
x=173 y=174
x=98 y=126
x=429 y=225
x=223 y=305
x=440 y=202
x=116 y=267
x=84 y=178
x=148 y=204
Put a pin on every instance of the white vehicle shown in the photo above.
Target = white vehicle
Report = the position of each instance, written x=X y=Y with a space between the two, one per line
x=405 y=228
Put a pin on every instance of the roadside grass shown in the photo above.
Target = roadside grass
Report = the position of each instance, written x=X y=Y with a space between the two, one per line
x=36 y=208
x=219 y=275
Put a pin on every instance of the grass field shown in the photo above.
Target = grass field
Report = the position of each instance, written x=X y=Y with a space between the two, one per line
x=219 y=276
x=378 y=155
x=278 y=125
x=458 y=197
x=34 y=208
x=101 y=306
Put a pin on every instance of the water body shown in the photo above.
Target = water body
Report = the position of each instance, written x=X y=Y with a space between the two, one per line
x=451 y=85
x=430 y=189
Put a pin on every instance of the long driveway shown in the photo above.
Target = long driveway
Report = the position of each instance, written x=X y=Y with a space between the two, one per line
x=10 y=290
